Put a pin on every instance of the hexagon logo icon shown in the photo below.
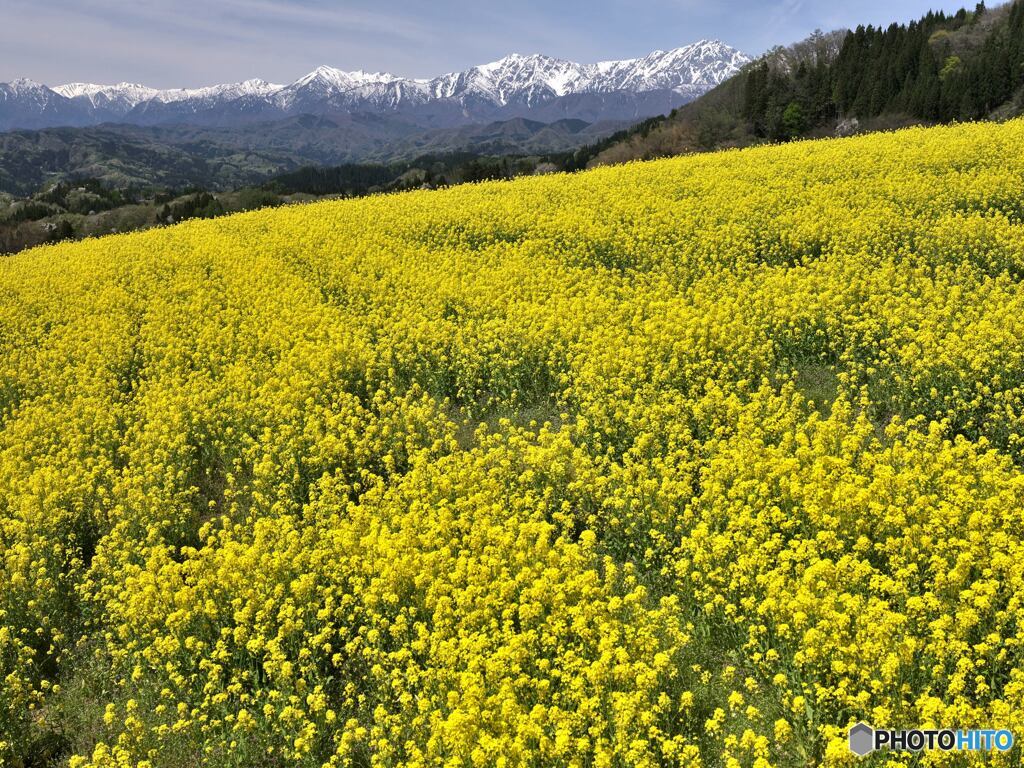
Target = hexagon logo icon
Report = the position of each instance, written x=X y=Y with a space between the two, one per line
x=862 y=739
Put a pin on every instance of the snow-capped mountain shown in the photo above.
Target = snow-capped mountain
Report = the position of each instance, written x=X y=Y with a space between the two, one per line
x=28 y=104
x=693 y=69
x=134 y=94
x=702 y=65
x=527 y=80
x=122 y=97
x=532 y=86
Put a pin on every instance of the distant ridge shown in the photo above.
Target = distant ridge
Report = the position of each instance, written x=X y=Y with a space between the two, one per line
x=533 y=86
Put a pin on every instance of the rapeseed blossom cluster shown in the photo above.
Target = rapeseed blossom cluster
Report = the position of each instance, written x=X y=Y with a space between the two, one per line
x=689 y=463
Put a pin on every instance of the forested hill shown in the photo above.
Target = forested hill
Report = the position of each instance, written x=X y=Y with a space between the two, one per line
x=938 y=69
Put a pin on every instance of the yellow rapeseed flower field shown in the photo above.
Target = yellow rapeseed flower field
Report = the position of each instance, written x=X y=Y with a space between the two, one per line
x=687 y=463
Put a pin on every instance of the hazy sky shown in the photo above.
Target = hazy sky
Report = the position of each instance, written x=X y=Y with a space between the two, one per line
x=166 y=43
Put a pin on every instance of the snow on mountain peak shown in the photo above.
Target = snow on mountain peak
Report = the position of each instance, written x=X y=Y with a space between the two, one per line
x=337 y=79
x=27 y=92
x=517 y=74
x=700 y=65
x=703 y=63
x=122 y=96
x=23 y=84
x=256 y=87
x=517 y=81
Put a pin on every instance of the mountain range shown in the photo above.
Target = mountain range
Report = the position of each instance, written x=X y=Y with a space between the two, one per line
x=536 y=87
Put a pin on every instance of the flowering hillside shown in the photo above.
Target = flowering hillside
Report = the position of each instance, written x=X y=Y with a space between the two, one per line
x=687 y=463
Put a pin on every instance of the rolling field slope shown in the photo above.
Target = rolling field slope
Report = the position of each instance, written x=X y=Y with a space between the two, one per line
x=687 y=463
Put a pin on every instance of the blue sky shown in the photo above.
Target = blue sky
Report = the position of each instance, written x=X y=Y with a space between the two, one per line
x=167 y=43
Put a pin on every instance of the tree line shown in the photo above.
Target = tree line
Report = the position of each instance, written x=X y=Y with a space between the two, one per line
x=940 y=68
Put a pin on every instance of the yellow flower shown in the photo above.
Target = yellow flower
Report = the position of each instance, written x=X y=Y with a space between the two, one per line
x=479 y=477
